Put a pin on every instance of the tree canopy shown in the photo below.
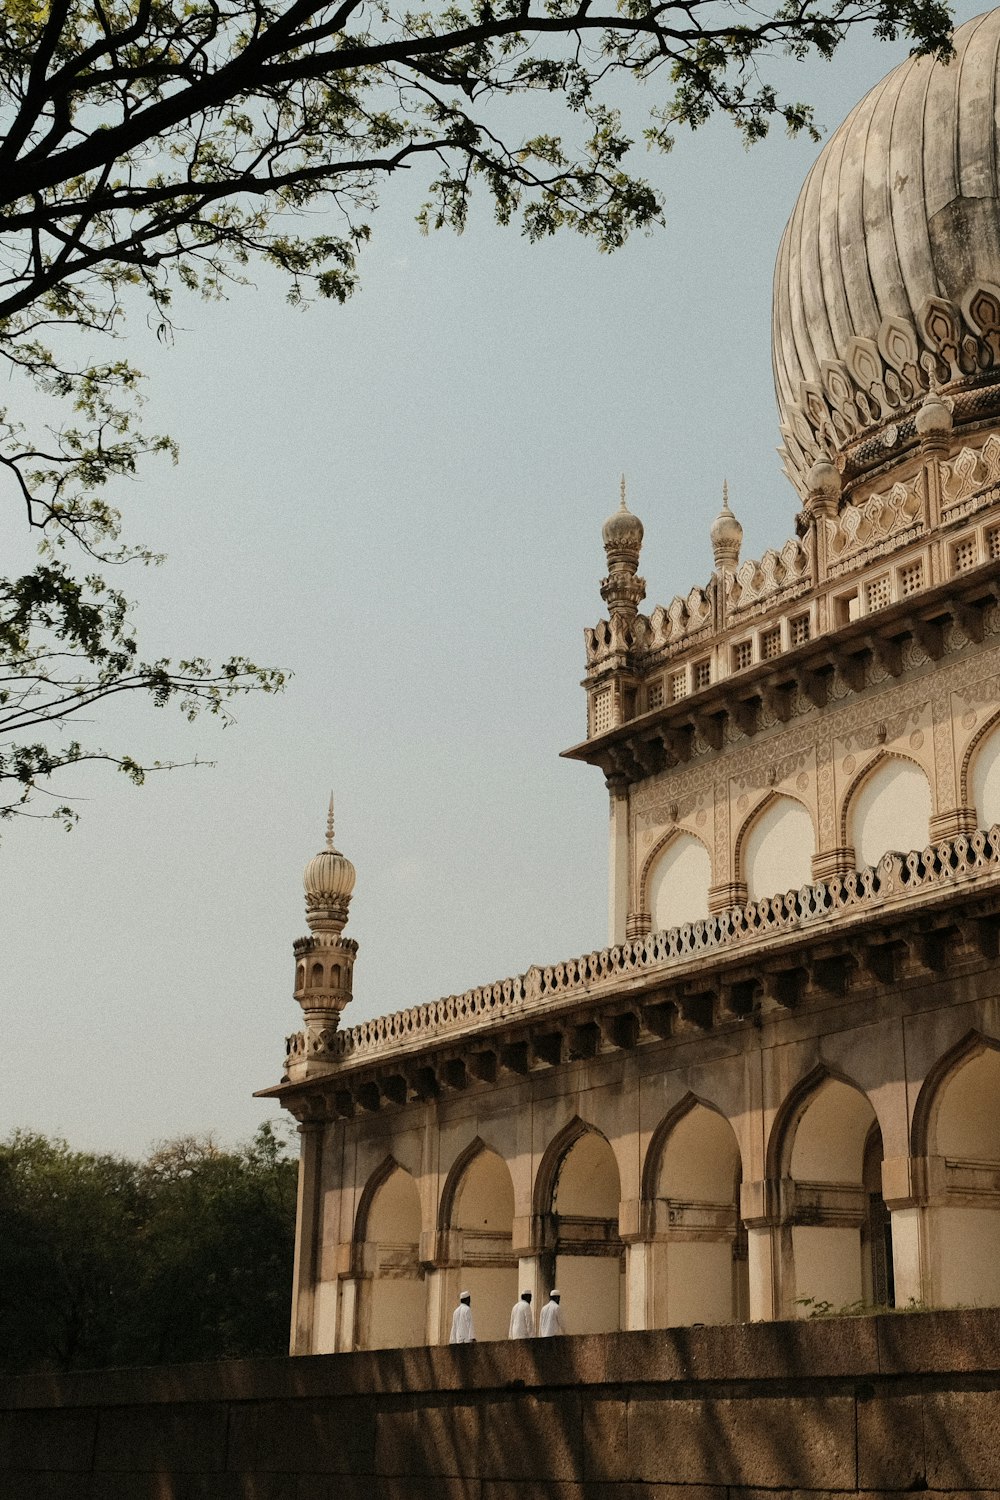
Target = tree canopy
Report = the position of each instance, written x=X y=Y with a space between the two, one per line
x=155 y=145
x=184 y=1256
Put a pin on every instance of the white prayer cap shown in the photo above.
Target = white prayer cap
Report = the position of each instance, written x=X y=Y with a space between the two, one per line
x=555 y=1292
x=465 y=1296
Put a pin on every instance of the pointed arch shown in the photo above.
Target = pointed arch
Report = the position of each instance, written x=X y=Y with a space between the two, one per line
x=697 y=1263
x=662 y=1134
x=550 y=1165
x=969 y=759
x=882 y=760
x=453 y=1182
x=577 y=1197
x=971 y=1045
x=676 y=841
x=377 y=1179
x=799 y=873
x=791 y=1110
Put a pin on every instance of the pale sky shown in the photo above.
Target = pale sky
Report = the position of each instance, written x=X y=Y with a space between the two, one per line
x=401 y=501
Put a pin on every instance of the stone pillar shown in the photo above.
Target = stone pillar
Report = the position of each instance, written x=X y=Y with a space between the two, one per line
x=619 y=862
x=638 y=1288
x=442 y=1297
x=347 y=1322
x=910 y=1187
x=308 y=1218
x=760 y=1209
x=638 y=1284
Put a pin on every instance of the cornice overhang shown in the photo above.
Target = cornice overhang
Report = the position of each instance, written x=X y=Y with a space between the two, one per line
x=665 y=737
x=922 y=915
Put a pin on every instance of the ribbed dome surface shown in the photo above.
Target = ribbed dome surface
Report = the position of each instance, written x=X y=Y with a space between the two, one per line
x=895 y=232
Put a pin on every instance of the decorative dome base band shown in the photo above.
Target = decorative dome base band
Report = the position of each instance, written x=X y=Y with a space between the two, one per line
x=862 y=413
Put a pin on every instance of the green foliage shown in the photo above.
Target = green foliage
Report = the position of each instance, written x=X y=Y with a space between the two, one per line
x=822 y=1308
x=151 y=145
x=105 y=1261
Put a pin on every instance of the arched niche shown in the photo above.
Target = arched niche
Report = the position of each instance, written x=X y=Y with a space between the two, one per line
x=964 y=1134
x=677 y=883
x=840 y=1239
x=480 y=1215
x=393 y=1307
x=589 y=1257
x=889 y=809
x=984 y=778
x=699 y=1262
x=777 y=849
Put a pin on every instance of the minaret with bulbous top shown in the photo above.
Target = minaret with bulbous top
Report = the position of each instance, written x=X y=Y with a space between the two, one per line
x=324 y=961
x=623 y=590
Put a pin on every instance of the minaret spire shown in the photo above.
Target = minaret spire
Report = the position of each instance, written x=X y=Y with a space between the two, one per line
x=324 y=961
x=726 y=535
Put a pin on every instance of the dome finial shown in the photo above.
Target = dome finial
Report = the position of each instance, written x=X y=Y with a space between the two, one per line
x=622 y=506
x=329 y=825
x=726 y=535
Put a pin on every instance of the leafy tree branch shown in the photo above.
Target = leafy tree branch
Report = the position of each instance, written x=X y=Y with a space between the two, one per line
x=155 y=145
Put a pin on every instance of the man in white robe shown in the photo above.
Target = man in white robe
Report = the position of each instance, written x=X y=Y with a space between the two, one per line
x=551 y=1323
x=522 y=1324
x=462 y=1331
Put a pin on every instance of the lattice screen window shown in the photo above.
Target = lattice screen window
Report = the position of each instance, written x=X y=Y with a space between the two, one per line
x=601 y=712
x=678 y=686
x=798 y=630
x=911 y=578
x=993 y=543
x=770 y=644
x=965 y=554
x=878 y=593
x=654 y=694
x=742 y=656
x=702 y=675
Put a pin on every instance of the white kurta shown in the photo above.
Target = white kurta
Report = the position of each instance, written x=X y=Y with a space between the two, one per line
x=522 y=1324
x=550 y=1323
x=462 y=1331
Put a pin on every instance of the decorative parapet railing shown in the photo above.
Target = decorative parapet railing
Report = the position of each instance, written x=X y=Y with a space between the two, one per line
x=966 y=859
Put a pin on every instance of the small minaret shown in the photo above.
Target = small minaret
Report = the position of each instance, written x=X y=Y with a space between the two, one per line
x=324 y=962
x=727 y=536
x=623 y=590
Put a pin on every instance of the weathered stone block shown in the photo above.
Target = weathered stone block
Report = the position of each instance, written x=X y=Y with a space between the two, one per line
x=323 y=1437
x=759 y=1441
x=55 y=1440
x=433 y=1438
x=605 y=1438
x=27 y=1484
x=940 y=1342
x=165 y=1439
x=531 y=1437
x=962 y=1439
x=890 y=1443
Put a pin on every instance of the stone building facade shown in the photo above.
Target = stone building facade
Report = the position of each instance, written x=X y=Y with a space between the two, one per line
x=779 y=1084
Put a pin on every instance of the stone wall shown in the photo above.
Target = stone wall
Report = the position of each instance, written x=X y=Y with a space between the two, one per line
x=864 y=1406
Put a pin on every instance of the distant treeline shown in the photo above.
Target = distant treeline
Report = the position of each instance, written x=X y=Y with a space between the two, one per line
x=106 y=1261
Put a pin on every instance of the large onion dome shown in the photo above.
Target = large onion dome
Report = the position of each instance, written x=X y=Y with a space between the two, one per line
x=887 y=282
